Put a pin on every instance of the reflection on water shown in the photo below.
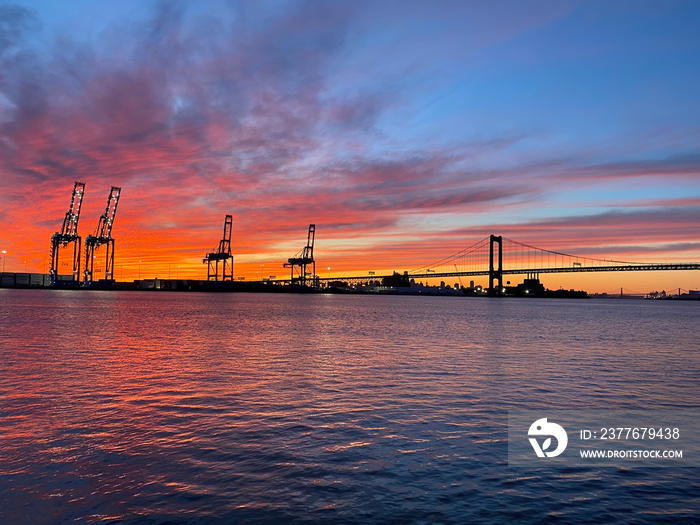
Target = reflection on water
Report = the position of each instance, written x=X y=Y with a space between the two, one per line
x=218 y=408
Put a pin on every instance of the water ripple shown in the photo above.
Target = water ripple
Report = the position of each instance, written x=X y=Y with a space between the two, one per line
x=136 y=408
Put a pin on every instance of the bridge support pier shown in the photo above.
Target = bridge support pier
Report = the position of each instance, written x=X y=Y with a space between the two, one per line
x=496 y=274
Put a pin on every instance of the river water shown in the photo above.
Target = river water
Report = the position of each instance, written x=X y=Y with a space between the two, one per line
x=143 y=407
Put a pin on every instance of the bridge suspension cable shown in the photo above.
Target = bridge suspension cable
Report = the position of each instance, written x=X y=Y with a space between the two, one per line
x=528 y=257
x=475 y=258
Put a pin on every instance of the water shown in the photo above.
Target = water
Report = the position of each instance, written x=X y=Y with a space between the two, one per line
x=138 y=407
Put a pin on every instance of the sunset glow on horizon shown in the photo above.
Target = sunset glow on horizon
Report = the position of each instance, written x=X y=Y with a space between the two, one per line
x=405 y=131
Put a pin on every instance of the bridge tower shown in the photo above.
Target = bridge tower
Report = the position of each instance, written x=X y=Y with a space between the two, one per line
x=496 y=274
x=304 y=258
x=222 y=254
x=103 y=235
x=68 y=234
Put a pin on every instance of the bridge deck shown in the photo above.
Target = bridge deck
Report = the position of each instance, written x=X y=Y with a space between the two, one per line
x=519 y=271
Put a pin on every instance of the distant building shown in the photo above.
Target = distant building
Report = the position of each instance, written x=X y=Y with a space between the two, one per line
x=530 y=287
x=396 y=280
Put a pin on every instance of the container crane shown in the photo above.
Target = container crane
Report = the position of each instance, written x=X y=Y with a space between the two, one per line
x=68 y=234
x=222 y=254
x=304 y=258
x=103 y=235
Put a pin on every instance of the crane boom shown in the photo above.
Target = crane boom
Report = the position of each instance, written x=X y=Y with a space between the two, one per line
x=70 y=222
x=225 y=242
x=104 y=227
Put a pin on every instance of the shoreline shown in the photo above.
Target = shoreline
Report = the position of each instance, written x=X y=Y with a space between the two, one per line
x=42 y=282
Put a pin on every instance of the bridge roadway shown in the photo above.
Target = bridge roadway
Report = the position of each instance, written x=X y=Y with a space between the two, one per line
x=568 y=269
x=515 y=271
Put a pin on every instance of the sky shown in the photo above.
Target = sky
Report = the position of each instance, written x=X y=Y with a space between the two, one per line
x=404 y=130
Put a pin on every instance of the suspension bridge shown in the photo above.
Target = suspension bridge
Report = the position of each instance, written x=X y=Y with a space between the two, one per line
x=496 y=256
